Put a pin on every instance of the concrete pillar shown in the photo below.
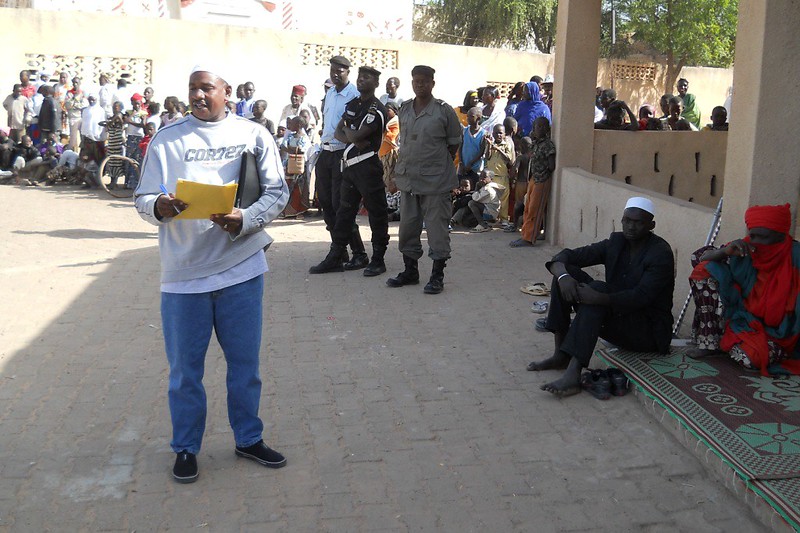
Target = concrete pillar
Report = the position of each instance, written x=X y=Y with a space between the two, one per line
x=762 y=165
x=577 y=50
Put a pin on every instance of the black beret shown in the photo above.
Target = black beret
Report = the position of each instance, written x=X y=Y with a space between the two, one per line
x=340 y=60
x=423 y=70
x=370 y=70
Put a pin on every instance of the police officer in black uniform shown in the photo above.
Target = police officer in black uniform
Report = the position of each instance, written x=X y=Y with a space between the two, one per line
x=362 y=128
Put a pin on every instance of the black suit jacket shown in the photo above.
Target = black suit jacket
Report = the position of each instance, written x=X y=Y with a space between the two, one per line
x=641 y=287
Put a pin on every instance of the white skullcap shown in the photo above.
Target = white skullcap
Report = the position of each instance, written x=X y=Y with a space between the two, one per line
x=218 y=70
x=641 y=203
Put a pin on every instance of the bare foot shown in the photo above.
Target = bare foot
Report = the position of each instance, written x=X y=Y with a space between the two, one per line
x=554 y=362
x=563 y=387
x=699 y=353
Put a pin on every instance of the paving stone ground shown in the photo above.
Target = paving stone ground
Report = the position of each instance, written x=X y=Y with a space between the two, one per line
x=398 y=411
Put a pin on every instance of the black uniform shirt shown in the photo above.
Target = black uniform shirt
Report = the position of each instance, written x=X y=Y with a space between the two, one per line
x=360 y=113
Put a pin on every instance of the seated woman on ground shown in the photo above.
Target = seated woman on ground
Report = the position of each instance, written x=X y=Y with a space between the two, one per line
x=746 y=295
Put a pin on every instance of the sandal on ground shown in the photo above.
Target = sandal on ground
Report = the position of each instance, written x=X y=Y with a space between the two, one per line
x=536 y=289
x=520 y=243
x=511 y=228
x=540 y=306
x=619 y=381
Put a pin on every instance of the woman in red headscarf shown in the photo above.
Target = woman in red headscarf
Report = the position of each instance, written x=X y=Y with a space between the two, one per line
x=746 y=294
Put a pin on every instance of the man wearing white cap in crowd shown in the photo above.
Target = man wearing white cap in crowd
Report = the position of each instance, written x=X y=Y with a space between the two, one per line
x=632 y=308
x=212 y=270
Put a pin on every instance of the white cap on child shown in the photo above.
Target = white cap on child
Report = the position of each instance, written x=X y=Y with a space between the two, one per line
x=641 y=203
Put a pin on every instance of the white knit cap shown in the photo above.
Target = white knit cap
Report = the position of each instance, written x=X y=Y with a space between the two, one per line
x=641 y=203
x=218 y=70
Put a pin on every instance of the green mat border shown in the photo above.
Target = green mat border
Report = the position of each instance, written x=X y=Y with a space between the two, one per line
x=757 y=487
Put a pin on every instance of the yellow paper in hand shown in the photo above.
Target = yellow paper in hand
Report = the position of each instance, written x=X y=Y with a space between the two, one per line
x=205 y=199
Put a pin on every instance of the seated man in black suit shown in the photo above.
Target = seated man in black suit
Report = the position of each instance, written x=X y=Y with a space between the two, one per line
x=631 y=309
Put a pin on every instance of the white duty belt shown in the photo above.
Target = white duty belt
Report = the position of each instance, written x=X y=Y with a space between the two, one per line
x=355 y=160
x=328 y=147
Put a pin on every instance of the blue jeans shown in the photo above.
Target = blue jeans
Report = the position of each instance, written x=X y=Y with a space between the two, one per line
x=235 y=314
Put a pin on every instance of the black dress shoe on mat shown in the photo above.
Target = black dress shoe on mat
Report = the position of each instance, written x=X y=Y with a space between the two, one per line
x=185 y=469
x=619 y=382
x=261 y=453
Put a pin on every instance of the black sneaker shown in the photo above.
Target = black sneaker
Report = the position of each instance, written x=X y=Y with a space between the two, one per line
x=261 y=453
x=185 y=469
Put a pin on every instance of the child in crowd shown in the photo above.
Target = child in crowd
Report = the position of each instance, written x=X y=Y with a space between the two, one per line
x=114 y=126
x=280 y=134
x=17 y=107
x=295 y=143
x=663 y=104
x=473 y=147
x=719 y=120
x=512 y=132
x=500 y=155
x=259 y=108
x=542 y=165
x=171 y=113
x=311 y=130
x=646 y=112
x=50 y=151
x=6 y=151
x=25 y=154
x=675 y=116
x=149 y=131
x=655 y=124
x=461 y=197
x=522 y=170
x=388 y=152
x=615 y=118
x=154 y=115
x=134 y=131
x=471 y=100
x=484 y=204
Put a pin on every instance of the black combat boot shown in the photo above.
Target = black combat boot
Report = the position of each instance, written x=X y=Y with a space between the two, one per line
x=332 y=261
x=376 y=266
x=360 y=258
x=436 y=283
x=410 y=276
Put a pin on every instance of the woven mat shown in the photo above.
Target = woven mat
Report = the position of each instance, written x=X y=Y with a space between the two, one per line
x=751 y=421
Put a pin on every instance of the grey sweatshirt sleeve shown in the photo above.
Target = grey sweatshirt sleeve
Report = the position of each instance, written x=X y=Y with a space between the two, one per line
x=274 y=191
x=148 y=190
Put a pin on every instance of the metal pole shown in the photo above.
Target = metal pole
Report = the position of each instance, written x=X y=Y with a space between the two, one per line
x=713 y=231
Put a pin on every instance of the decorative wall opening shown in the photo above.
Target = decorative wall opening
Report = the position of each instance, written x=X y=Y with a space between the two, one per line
x=319 y=55
x=136 y=70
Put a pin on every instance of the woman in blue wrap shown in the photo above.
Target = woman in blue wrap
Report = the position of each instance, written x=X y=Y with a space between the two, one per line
x=530 y=108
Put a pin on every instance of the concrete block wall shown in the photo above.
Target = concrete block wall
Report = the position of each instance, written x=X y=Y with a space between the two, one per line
x=689 y=165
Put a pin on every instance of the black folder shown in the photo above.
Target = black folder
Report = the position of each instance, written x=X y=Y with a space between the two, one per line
x=249 y=186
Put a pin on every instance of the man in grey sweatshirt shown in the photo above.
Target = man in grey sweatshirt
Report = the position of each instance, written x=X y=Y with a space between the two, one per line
x=212 y=270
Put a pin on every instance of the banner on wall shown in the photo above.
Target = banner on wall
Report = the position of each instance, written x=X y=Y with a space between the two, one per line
x=137 y=8
x=368 y=18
